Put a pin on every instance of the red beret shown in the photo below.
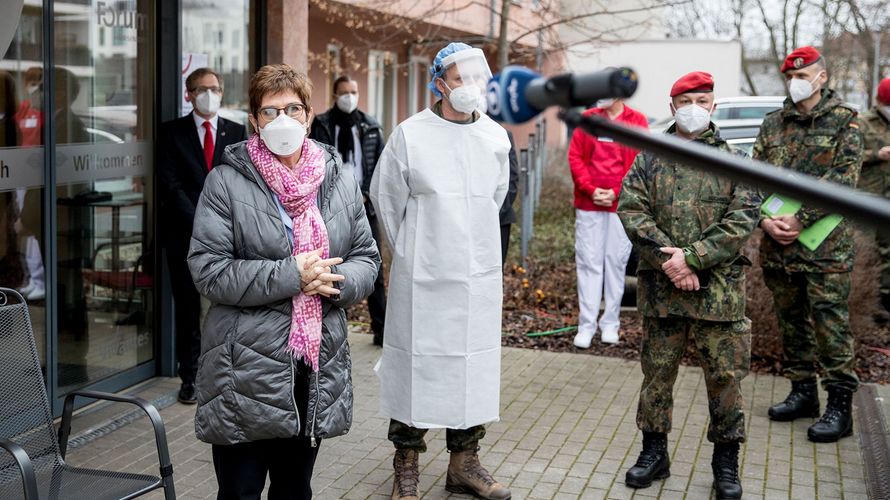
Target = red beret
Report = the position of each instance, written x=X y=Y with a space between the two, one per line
x=697 y=81
x=884 y=91
x=801 y=58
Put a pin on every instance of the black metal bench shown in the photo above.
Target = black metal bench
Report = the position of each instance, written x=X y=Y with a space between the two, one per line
x=32 y=455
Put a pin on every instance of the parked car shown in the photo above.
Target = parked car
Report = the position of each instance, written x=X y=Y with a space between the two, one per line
x=746 y=107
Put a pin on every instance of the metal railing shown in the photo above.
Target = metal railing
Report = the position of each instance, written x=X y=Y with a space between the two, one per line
x=531 y=175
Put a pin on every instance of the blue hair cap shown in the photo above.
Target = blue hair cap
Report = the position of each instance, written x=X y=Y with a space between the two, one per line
x=437 y=70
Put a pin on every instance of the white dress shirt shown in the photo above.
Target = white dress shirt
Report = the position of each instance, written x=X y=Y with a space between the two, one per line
x=199 y=123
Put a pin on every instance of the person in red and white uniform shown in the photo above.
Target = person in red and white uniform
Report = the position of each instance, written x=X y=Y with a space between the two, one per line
x=601 y=246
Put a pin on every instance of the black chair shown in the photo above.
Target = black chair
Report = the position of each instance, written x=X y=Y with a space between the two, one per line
x=33 y=466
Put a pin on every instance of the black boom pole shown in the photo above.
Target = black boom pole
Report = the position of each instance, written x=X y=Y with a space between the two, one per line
x=833 y=198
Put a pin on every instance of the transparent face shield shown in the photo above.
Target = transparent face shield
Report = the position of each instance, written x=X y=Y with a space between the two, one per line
x=472 y=70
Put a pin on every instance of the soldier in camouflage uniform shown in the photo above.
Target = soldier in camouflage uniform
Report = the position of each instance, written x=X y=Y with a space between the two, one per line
x=689 y=226
x=875 y=176
x=815 y=133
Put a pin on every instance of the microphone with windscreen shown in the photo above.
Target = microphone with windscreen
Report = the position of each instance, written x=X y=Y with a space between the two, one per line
x=517 y=94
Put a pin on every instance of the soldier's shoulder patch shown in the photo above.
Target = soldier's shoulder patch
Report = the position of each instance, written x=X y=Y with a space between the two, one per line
x=847 y=107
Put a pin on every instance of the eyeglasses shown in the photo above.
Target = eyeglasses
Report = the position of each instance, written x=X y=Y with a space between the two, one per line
x=293 y=110
x=201 y=90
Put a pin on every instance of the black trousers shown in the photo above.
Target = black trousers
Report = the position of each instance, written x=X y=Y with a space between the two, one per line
x=377 y=299
x=505 y=242
x=187 y=302
x=241 y=468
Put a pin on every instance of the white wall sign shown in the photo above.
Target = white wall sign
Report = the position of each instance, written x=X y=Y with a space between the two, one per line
x=21 y=168
x=79 y=163
x=75 y=163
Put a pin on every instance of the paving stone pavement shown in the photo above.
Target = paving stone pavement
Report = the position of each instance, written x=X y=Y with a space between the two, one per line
x=567 y=431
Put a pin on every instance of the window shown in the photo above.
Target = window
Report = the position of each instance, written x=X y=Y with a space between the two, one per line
x=209 y=48
x=382 y=83
x=418 y=93
x=333 y=70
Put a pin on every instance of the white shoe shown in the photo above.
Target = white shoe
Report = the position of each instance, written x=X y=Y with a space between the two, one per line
x=609 y=336
x=25 y=290
x=583 y=340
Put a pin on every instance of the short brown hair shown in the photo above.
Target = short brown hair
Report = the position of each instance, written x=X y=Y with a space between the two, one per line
x=341 y=79
x=276 y=79
x=200 y=73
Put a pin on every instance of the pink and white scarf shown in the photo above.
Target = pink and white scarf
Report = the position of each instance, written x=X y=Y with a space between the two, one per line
x=297 y=190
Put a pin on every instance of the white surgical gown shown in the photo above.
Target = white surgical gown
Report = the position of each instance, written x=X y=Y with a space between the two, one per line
x=437 y=190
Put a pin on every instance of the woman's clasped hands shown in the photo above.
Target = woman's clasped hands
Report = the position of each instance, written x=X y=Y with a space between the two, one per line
x=316 y=277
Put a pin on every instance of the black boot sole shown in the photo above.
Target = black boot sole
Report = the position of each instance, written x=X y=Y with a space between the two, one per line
x=829 y=439
x=790 y=418
x=718 y=497
x=664 y=474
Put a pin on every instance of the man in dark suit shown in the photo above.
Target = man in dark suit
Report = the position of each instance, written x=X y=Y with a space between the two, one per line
x=189 y=148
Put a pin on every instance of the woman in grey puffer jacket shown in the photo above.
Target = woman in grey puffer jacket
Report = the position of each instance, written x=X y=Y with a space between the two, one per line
x=271 y=382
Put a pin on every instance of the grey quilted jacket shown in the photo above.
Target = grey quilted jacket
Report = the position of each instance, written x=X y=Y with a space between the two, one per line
x=240 y=259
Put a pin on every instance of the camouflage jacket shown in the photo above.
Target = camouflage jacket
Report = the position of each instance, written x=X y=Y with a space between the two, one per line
x=666 y=204
x=876 y=133
x=826 y=143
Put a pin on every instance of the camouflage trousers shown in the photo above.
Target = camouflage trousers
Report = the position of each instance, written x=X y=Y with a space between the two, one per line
x=814 y=322
x=876 y=180
x=724 y=350
x=403 y=436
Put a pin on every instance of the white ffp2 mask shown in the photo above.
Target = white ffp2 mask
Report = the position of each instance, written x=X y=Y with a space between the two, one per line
x=801 y=89
x=283 y=136
x=347 y=102
x=208 y=102
x=466 y=98
x=692 y=119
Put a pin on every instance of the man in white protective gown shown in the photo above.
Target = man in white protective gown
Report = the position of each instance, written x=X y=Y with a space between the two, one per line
x=437 y=188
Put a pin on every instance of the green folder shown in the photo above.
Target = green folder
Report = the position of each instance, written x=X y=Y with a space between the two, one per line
x=810 y=237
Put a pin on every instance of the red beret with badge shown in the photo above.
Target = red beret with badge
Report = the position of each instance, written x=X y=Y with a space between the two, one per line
x=801 y=58
x=884 y=91
x=697 y=81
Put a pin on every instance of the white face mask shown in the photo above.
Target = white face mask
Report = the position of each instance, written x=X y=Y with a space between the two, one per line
x=885 y=110
x=347 y=102
x=801 y=89
x=208 y=102
x=283 y=136
x=692 y=119
x=605 y=103
x=465 y=99
x=32 y=88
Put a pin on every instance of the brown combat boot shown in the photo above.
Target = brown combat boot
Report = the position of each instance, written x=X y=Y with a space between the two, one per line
x=466 y=475
x=405 y=483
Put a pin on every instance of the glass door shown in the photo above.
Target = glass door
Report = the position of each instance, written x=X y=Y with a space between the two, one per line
x=103 y=82
x=22 y=235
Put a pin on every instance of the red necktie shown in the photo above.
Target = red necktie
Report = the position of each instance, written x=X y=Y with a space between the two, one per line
x=208 y=145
